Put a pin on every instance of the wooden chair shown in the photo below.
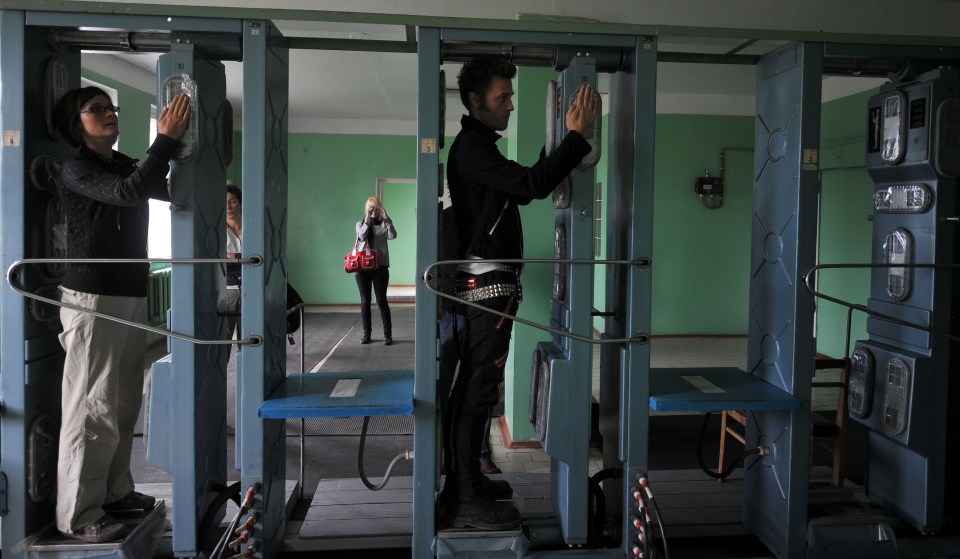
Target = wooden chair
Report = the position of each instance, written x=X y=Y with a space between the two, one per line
x=828 y=434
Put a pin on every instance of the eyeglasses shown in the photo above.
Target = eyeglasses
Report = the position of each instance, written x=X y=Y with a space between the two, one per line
x=100 y=109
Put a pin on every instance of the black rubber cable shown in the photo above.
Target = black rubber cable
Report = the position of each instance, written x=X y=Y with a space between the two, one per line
x=663 y=535
x=363 y=476
x=600 y=503
x=228 y=493
x=648 y=534
x=729 y=468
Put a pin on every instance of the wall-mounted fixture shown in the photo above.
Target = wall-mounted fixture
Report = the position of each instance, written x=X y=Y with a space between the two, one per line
x=710 y=189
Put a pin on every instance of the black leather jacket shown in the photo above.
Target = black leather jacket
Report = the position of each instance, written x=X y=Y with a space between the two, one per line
x=486 y=188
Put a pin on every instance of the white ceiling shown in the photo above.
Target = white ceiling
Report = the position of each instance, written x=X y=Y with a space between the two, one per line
x=376 y=92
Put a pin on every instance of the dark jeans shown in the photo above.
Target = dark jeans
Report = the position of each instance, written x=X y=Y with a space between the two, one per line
x=378 y=279
x=453 y=326
x=483 y=346
x=485 y=450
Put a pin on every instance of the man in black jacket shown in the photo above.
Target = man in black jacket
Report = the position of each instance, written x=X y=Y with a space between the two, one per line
x=486 y=189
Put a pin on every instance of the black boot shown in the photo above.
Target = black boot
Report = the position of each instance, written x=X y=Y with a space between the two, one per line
x=481 y=512
x=365 y=322
x=387 y=321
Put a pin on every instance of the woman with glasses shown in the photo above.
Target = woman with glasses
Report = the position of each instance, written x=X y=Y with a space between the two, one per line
x=104 y=194
x=374 y=230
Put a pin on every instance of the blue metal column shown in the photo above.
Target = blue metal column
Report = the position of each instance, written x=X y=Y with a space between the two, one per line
x=189 y=395
x=261 y=369
x=781 y=311
x=567 y=436
x=32 y=362
x=429 y=136
x=625 y=370
x=904 y=374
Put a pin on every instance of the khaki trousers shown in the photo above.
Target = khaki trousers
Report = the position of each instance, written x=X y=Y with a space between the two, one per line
x=102 y=392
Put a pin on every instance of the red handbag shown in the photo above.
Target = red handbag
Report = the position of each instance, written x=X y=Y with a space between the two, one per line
x=366 y=260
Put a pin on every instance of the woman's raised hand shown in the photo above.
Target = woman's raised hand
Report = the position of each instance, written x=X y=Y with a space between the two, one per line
x=174 y=117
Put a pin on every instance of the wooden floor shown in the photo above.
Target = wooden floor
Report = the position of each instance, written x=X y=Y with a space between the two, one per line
x=346 y=515
x=344 y=512
x=343 y=515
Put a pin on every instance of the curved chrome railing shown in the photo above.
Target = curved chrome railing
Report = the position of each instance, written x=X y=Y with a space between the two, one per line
x=14 y=277
x=807 y=283
x=637 y=338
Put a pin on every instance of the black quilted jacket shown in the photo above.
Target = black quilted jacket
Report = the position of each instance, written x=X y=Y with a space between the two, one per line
x=105 y=202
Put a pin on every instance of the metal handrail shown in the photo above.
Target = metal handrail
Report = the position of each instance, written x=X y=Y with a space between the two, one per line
x=639 y=337
x=806 y=281
x=13 y=274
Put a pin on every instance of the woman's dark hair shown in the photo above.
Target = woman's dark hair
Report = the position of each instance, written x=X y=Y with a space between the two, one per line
x=477 y=74
x=66 y=113
x=232 y=189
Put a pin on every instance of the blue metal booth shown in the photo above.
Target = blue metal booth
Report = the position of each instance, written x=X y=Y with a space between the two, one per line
x=903 y=387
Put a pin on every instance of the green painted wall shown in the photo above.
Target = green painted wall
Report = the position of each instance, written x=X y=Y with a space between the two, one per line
x=527 y=136
x=235 y=170
x=400 y=201
x=331 y=177
x=701 y=257
x=845 y=232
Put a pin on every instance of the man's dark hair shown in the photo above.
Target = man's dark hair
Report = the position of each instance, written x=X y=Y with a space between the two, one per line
x=477 y=74
x=232 y=189
x=66 y=113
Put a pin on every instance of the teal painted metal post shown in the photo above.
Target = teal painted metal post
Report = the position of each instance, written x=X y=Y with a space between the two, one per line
x=20 y=516
x=263 y=307
x=783 y=248
x=429 y=136
x=625 y=370
x=640 y=280
x=567 y=439
x=197 y=373
x=32 y=362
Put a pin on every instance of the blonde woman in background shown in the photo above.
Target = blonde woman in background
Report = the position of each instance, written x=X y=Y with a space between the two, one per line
x=374 y=230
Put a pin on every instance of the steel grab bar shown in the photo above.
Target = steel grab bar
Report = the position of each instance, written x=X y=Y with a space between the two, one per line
x=13 y=275
x=638 y=338
x=806 y=281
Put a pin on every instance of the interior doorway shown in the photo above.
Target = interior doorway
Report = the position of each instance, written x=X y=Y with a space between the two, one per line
x=399 y=198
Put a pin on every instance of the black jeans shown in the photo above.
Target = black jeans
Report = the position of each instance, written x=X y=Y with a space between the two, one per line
x=483 y=355
x=378 y=279
x=453 y=327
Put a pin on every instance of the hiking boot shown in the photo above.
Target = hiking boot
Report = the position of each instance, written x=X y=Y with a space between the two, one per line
x=481 y=513
x=107 y=529
x=496 y=489
x=131 y=501
x=489 y=468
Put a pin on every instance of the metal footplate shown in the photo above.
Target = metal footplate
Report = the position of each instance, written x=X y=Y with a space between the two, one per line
x=506 y=543
x=142 y=542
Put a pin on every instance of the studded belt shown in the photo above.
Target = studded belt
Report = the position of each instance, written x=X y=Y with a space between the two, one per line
x=490 y=292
